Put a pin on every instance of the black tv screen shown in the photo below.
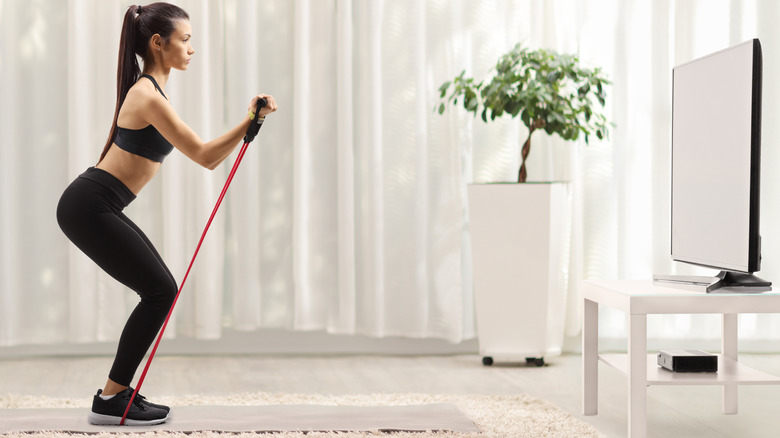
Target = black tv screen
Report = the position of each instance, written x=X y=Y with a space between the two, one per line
x=716 y=159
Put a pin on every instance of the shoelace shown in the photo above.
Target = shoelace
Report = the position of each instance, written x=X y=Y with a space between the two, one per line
x=138 y=396
x=138 y=402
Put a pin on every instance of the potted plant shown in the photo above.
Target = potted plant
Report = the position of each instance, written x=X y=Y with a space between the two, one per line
x=519 y=231
x=549 y=91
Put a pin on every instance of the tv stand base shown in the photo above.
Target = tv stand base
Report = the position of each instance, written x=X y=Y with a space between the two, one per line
x=725 y=281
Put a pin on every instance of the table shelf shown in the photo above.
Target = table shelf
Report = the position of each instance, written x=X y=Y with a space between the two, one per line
x=639 y=298
x=730 y=372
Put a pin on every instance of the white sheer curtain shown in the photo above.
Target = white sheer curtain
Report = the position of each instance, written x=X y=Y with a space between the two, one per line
x=348 y=214
x=344 y=217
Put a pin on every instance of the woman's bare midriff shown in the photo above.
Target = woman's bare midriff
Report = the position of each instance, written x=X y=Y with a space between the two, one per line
x=133 y=170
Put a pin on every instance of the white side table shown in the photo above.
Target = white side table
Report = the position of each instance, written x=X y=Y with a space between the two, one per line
x=640 y=298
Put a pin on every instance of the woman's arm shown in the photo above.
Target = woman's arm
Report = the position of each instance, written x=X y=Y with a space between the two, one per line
x=208 y=154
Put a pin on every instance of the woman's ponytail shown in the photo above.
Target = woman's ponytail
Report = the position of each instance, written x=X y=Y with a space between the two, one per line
x=139 y=25
x=128 y=71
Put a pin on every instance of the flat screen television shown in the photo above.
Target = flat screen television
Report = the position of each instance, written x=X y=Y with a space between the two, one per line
x=716 y=167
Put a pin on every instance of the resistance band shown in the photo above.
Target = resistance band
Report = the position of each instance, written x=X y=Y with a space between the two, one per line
x=254 y=127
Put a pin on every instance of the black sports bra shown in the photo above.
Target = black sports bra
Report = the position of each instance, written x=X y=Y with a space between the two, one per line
x=146 y=142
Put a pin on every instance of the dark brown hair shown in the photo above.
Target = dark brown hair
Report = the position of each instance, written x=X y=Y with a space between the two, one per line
x=139 y=25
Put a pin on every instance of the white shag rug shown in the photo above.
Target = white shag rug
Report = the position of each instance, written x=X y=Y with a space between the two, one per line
x=495 y=416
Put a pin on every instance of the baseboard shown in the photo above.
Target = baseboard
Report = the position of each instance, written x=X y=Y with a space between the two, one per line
x=262 y=342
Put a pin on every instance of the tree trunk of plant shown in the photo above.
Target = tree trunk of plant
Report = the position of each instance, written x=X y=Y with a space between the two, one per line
x=524 y=154
x=538 y=123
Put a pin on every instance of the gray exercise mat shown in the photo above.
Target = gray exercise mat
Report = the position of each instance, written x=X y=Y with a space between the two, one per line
x=274 y=418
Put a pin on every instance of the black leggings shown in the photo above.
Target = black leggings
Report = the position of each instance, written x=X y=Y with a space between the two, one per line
x=90 y=214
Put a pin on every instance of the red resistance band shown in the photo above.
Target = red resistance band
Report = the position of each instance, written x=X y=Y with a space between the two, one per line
x=251 y=132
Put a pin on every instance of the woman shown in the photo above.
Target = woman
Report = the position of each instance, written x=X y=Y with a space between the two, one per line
x=144 y=131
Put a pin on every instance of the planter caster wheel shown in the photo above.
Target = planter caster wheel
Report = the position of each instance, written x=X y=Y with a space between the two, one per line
x=538 y=361
x=487 y=361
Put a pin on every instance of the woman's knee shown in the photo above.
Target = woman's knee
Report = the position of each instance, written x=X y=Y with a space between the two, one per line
x=170 y=292
x=163 y=293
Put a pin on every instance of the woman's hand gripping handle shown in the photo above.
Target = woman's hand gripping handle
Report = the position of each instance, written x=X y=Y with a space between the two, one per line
x=257 y=121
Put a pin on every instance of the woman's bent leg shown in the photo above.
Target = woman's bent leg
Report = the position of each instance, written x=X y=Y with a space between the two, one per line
x=98 y=230
x=148 y=274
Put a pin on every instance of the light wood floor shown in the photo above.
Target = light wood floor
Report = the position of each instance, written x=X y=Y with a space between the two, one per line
x=673 y=411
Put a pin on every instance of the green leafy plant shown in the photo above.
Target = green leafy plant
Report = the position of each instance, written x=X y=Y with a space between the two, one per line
x=545 y=89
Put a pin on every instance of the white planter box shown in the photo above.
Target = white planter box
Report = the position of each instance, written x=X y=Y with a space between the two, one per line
x=518 y=236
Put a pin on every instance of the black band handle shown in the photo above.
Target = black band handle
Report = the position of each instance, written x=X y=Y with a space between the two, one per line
x=257 y=122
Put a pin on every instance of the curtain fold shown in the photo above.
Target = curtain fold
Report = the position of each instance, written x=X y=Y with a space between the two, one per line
x=349 y=212
x=342 y=310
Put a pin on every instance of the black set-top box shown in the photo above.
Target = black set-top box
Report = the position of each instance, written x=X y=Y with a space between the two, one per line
x=688 y=361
